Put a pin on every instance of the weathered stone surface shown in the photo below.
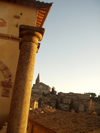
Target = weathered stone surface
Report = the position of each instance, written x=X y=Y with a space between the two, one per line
x=23 y=82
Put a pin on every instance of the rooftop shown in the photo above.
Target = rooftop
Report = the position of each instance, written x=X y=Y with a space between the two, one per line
x=62 y=122
x=43 y=8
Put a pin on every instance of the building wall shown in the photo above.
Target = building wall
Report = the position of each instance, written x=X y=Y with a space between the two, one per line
x=74 y=96
x=35 y=127
x=11 y=17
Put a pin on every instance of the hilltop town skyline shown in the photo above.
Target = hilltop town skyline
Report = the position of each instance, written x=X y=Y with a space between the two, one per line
x=55 y=89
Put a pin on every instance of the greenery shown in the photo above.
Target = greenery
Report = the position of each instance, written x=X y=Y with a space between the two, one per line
x=91 y=94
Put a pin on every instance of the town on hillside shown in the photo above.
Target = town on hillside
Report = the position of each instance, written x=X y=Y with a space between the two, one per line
x=45 y=99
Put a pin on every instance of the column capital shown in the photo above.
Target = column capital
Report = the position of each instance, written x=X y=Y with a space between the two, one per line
x=31 y=30
x=31 y=34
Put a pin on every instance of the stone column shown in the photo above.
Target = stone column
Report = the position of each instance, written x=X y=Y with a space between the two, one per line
x=23 y=82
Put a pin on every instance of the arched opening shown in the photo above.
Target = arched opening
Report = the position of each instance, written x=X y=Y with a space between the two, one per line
x=6 y=83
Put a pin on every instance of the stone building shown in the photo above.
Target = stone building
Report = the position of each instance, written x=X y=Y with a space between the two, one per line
x=78 y=102
x=39 y=87
x=94 y=105
x=21 y=21
x=33 y=104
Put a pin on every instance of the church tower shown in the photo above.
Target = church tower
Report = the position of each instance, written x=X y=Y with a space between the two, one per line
x=39 y=87
x=38 y=79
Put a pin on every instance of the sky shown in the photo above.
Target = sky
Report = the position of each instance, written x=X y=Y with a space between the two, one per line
x=69 y=56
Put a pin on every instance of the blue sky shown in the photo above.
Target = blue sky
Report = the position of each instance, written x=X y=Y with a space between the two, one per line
x=69 y=56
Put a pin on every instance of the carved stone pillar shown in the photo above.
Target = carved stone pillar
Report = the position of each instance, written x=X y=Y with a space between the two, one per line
x=23 y=82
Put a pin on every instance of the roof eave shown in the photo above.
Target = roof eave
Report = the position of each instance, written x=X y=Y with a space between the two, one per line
x=41 y=6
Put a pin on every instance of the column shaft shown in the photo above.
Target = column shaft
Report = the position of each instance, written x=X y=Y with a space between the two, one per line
x=22 y=89
x=23 y=82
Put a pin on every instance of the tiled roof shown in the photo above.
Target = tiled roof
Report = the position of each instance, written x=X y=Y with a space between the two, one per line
x=44 y=9
x=67 y=122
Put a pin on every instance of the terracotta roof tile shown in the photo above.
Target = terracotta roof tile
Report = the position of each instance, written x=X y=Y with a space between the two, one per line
x=66 y=122
x=44 y=9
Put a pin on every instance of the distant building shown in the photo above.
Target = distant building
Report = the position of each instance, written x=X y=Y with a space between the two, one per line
x=33 y=104
x=40 y=87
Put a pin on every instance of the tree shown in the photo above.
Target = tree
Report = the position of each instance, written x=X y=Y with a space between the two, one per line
x=71 y=106
x=40 y=102
x=93 y=95
x=57 y=103
x=53 y=91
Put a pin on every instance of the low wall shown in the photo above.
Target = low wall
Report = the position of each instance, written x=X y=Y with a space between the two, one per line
x=35 y=127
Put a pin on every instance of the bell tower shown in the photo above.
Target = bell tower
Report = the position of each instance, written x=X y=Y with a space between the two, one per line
x=38 y=79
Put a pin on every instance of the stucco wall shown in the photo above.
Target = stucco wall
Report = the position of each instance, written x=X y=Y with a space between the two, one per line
x=35 y=127
x=11 y=16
